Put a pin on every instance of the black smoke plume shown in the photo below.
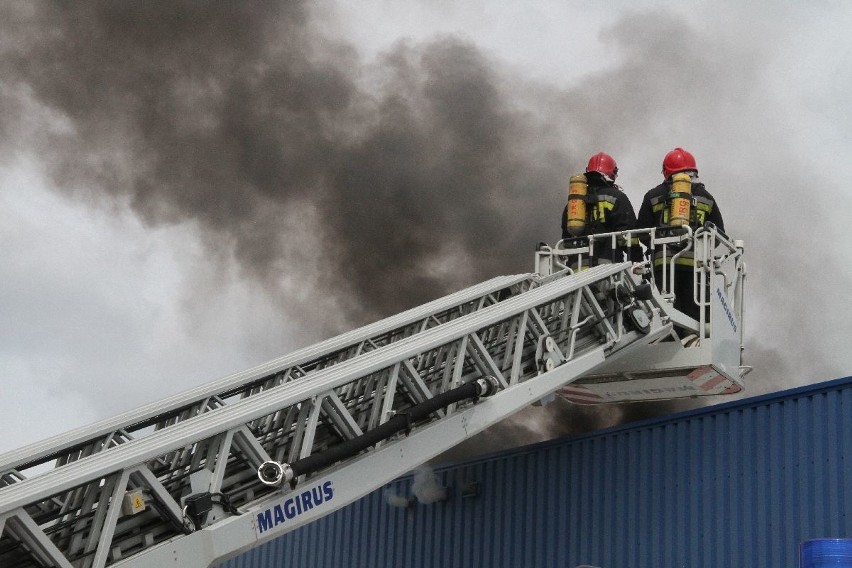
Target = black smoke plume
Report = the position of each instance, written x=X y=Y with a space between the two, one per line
x=421 y=175
x=375 y=186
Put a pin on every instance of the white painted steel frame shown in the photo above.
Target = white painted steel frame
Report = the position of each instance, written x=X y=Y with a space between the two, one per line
x=197 y=453
x=352 y=481
x=554 y=329
x=91 y=439
x=719 y=264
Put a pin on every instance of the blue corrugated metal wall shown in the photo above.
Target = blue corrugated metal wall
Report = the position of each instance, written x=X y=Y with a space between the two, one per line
x=734 y=485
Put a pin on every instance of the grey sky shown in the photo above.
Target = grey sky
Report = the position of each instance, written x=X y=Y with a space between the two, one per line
x=115 y=294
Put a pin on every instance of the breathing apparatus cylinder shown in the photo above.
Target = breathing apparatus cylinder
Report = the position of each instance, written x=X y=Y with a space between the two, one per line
x=578 y=187
x=680 y=199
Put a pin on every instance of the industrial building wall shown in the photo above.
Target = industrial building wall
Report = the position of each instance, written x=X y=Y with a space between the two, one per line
x=733 y=485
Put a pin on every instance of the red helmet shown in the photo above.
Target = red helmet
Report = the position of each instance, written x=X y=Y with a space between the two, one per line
x=678 y=160
x=603 y=164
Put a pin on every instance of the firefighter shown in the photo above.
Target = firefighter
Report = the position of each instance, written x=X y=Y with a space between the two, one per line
x=600 y=206
x=657 y=211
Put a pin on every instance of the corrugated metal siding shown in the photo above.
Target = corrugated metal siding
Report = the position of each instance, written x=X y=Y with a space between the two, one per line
x=740 y=484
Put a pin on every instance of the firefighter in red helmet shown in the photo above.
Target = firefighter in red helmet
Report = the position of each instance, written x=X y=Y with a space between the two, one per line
x=606 y=208
x=656 y=212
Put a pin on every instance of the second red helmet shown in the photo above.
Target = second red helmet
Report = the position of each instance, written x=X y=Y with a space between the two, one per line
x=678 y=160
x=604 y=164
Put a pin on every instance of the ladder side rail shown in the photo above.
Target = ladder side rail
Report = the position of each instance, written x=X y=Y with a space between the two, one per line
x=259 y=406
x=548 y=330
x=481 y=357
x=352 y=480
x=91 y=438
x=422 y=391
x=204 y=427
x=237 y=534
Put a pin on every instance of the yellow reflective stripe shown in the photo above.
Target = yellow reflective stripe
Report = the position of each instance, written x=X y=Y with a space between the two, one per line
x=661 y=208
x=623 y=241
x=601 y=207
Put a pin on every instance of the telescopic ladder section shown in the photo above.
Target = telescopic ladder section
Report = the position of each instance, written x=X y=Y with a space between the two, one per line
x=82 y=442
x=223 y=469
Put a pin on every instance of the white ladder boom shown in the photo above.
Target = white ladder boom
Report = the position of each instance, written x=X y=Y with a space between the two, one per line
x=206 y=475
x=94 y=438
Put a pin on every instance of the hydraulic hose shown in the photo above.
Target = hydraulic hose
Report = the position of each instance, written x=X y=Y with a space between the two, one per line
x=273 y=473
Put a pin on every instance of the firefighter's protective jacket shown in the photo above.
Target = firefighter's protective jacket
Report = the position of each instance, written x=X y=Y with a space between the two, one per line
x=654 y=212
x=607 y=210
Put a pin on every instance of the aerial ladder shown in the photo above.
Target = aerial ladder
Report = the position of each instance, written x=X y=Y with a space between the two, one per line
x=202 y=476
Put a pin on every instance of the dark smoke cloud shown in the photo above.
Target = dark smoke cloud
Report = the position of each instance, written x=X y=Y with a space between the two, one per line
x=225 y=114
x=419 y=174
x=189 y=111
x=443 y=189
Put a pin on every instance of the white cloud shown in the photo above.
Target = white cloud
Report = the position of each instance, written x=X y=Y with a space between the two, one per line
x=102 y=314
